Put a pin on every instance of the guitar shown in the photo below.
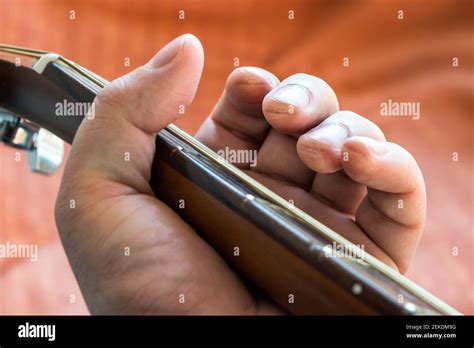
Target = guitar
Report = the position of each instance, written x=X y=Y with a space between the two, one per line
x=288 y=254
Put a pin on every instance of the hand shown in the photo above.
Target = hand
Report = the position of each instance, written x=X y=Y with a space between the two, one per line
x=106 y=205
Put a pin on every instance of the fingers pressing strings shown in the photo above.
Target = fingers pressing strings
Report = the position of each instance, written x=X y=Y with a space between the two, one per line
x=320 y=149
x=236 y=126
x=300 y=102
x=394 y=210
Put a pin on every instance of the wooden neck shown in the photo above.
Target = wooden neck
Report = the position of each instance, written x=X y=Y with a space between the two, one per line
x=282 y=250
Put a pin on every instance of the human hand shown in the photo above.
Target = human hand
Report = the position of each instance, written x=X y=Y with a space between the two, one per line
x=115 y=207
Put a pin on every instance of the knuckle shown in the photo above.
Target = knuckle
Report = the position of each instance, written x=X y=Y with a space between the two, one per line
x=106 y=99
x=114 y=94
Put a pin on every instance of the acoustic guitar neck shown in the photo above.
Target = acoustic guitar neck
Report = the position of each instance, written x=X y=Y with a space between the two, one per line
x=275 y=246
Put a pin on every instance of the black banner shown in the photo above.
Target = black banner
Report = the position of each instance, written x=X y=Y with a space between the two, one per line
x=327 y=330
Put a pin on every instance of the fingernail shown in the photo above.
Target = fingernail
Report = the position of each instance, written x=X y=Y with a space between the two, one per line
x=167 y=53
x=293 y=94
x=333 y=135
x=368 y=146
x=378 y=148
x=255 y=76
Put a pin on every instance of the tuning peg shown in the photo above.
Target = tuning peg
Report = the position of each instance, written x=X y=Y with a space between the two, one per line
x=47 y=152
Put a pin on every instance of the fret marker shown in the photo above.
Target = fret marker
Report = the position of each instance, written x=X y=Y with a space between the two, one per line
x=177 y=148
x=356 y=289
x=249 y=197
x=410 y=307
x=314 y=247
x=327 y=249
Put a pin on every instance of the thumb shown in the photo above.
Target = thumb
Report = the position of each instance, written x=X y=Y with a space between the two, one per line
x=118 y=144
x=153 y=95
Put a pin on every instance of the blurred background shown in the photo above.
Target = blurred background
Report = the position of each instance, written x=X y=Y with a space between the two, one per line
x=368 y=51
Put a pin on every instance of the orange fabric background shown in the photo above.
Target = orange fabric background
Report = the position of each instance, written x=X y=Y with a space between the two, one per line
x=403 y=60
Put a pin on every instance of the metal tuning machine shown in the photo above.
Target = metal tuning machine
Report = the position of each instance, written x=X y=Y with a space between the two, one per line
x=45 y=150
